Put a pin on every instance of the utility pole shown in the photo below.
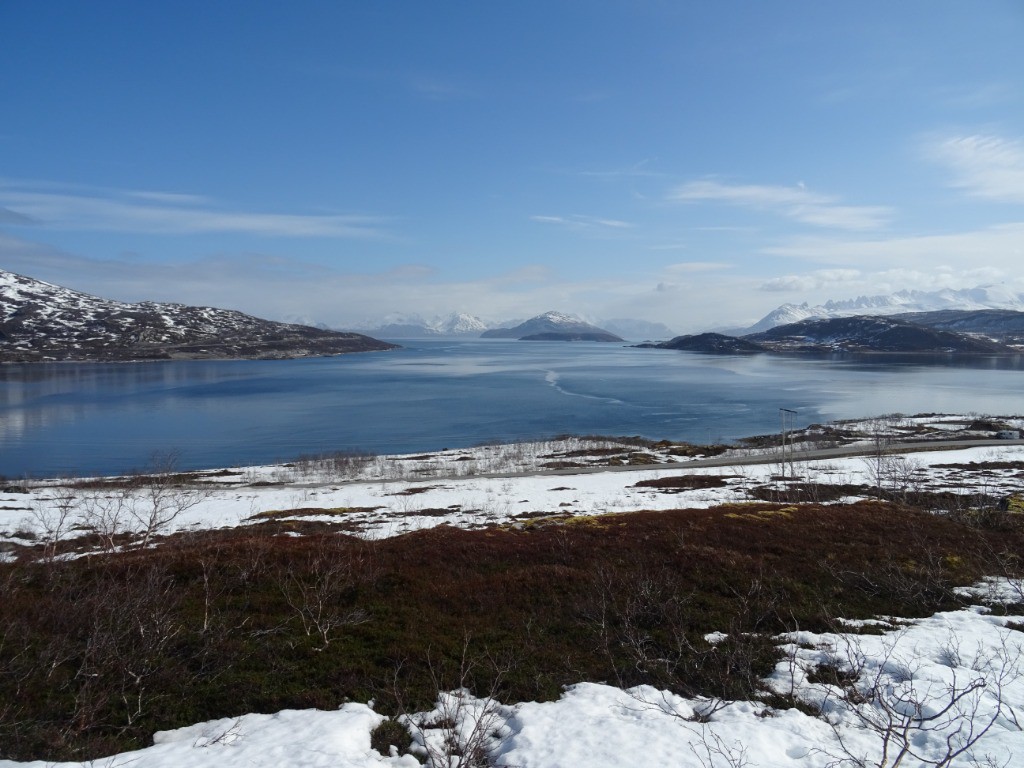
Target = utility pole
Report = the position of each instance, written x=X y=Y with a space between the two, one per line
x=782 y=413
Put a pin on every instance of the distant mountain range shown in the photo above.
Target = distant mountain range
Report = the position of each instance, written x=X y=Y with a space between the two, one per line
x=460 y=324
x=990 y=331
x=629 y=328
x=552 y=326
x=40 y=321
x=967 y=299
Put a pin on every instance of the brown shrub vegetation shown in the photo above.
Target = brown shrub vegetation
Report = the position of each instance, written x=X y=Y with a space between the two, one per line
x=99 y=652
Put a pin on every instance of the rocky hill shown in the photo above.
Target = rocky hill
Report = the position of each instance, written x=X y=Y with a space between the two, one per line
x=870 y=333
x=572 y=336
x=40 y=321
x=711 y=343
x=1002 y=325
x=552 y=326
x=990 y=332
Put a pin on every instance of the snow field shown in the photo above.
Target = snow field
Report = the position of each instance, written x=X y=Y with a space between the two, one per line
x=376 y=509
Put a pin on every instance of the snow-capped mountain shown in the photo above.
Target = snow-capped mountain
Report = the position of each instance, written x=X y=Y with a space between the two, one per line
x=399 y=326
x=553 y=326
x=981 y=297
x=461 y=324
x=42 y=321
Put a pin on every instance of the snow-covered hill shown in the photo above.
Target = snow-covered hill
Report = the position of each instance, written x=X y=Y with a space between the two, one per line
x=41 y=321
x=399 y=326
x=981 y=297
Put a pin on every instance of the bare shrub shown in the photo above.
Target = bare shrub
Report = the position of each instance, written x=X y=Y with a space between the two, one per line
x=54 y=517
x=140 y=506
x=644 y=622
x=462 y=731
x=335 y=465
x=122 y=627
x=909 y=716
x=320 y=589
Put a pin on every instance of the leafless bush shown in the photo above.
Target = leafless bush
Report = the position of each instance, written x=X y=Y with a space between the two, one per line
x=711 y=750
x=139 y=507
x=128 y=628
x=910 y=717
x=322 y=585
x=336 y=465
x=644 y=626
x=462 y=731
x=54 y=517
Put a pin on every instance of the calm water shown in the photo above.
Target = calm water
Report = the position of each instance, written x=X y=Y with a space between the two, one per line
x=89 y=418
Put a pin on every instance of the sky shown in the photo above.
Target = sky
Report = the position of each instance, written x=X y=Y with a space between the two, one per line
x=691 y=163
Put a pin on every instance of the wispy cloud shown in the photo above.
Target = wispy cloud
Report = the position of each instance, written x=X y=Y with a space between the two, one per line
x=1000 y=247
x=436 y=88
x=75 y=208
x=819 y=285
x=283 y=288
x=990 y=167
x=7 y=216
x=690 y=267
x=637 y=170
x=796 y=202
x=822 y=278
x=580 y=222
x=976 y=96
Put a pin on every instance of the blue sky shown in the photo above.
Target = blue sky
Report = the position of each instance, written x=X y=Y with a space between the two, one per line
x=696 y=164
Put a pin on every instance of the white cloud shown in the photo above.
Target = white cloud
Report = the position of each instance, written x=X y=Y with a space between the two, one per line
x=892 y=280
x=822 y=278
x=581 y=222
x=985 y=166
x=797 y=203
x=73 y=208
x=1000 y=247
x=697 y=266
x=637 y=170
x=818 y=286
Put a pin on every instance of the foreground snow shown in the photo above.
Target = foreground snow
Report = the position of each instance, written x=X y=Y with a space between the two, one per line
x=931 y=685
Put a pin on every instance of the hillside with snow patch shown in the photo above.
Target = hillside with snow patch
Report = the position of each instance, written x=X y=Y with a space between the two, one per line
x=44 y=322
